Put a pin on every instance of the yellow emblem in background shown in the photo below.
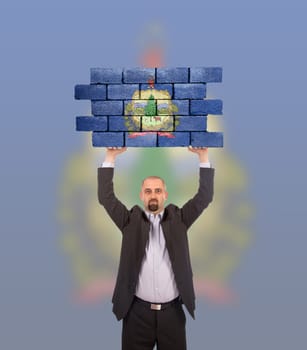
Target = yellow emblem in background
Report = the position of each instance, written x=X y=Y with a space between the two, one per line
x=91 y=241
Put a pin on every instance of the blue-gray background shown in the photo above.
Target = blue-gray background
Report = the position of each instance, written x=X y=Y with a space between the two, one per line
x=47 y=48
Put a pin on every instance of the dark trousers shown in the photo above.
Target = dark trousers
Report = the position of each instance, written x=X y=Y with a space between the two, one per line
x=144 y=328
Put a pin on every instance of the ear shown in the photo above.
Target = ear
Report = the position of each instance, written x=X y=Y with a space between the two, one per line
x=166 y=195
x=141 y=196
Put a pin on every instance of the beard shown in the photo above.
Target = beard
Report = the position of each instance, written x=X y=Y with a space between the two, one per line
x=153 y=205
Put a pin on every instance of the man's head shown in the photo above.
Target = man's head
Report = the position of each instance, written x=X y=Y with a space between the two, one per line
x=153 y=194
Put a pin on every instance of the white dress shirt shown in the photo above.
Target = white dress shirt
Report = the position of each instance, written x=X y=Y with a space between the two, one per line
x=156 y=282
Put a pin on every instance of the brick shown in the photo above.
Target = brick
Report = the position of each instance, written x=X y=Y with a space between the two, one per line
x=158 y=123
x=163 y=87
x=138 y=75
x=91 y=123
x=206 y=75
x=190 y=123
x=179 y=139
x=90 y=92
x=204 y=107
x=107 y=107
x=174 y=107
x=146 y=139
x=181 y=112
x=173 y=75
x=108 y=139
x=206 y=139
x=123 y=91
x=106 y=75
x=189 y=91
x=121 y=123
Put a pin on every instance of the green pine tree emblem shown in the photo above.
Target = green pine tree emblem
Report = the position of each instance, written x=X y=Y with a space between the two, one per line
x=151 y=108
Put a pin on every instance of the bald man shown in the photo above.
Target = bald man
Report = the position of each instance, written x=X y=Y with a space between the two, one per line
x=155 y=275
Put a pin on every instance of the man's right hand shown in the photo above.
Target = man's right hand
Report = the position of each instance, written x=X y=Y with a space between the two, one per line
x=112 y=153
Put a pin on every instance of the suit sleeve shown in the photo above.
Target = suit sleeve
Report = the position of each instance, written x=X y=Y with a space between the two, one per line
x=195 y=206
x=114 y=207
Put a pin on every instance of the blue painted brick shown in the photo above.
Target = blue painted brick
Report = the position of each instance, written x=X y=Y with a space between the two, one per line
x=138 y=75
x=90 y=92
x=206 y=139
x=107 y=107
x=106 y=75
x=190 y=123
x=189 y=91
x=206 y=75
x=163 y=87
x=123 y=91
x=108 y=139
x=120 y=123
x=201 y=107
x=173 y=75
x=179 y=139
x=146 y=139
x=181 y=105
x=91 y=123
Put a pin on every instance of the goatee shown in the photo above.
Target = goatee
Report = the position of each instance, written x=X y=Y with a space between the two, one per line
x=153 y=206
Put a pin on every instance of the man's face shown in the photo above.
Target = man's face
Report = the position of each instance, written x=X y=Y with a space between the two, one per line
x=153 y=195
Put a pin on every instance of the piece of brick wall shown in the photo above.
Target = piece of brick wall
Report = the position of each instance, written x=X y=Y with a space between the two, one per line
x=150 y=107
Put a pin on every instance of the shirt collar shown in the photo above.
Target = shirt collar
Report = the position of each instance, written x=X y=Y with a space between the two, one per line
x=160 y=215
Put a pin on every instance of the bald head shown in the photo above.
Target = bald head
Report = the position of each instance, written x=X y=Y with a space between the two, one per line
x=153 y=177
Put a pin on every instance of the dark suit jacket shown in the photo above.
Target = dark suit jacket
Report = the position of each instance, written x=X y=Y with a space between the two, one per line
x=134 y=226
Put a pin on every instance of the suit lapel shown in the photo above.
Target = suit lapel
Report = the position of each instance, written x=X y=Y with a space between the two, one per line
x=166 y=227
x=144 y=234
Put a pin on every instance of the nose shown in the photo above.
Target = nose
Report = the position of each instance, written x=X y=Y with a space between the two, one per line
x=153 y=195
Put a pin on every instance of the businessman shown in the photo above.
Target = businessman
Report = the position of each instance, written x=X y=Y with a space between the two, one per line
x=155 y=275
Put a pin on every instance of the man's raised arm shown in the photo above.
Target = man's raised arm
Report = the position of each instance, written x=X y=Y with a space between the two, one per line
x=114 y=207
x=194 y=207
